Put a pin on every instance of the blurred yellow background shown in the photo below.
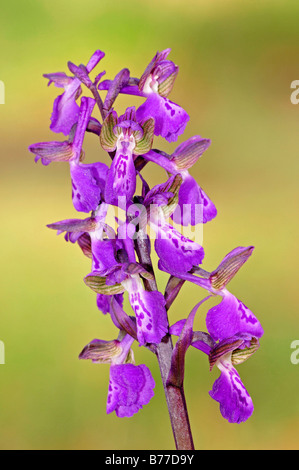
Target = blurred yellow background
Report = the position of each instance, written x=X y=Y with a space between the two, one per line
x=237 y=61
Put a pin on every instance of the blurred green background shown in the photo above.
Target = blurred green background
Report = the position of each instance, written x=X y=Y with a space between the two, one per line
x=237 y=61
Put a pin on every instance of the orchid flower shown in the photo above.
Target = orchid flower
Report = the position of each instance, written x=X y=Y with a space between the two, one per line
x=121 y=256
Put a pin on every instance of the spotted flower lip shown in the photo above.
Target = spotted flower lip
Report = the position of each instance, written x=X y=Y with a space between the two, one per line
x=130 y=388
x=149 y=308
x=194 y=205
x=235 y=402
x=170 y=119
x=177 y=252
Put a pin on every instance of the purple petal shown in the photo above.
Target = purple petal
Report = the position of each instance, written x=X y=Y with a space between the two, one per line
x=194 y=206
x=88 y=182
x=121 y=179
x=120 y=80
x=94 y=60
x=162 y=159
x=86 y=108
x=44 y=161
x=103 y=302
x=235 y=402
x=151 y=317
x=60 y=79
x=170 y=119
x=65 y=109
x=103 y=257
x=130 y=387
x=177 y=253
x=176 y=328
x=231 y=317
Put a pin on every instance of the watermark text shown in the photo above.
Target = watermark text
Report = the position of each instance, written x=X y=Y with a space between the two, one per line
x=2 y=92
x=295 y=354
x=2 y=353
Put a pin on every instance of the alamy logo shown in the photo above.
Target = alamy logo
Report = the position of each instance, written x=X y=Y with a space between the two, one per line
x=294 y=95
x=2 y=92
x=295 y=354
x=2 y=353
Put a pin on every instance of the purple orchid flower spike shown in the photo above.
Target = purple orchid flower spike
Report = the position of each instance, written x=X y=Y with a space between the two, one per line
x=130 y=386
x=231 y=316
x=65 y=109
x=129 y=138
x=121 y=259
